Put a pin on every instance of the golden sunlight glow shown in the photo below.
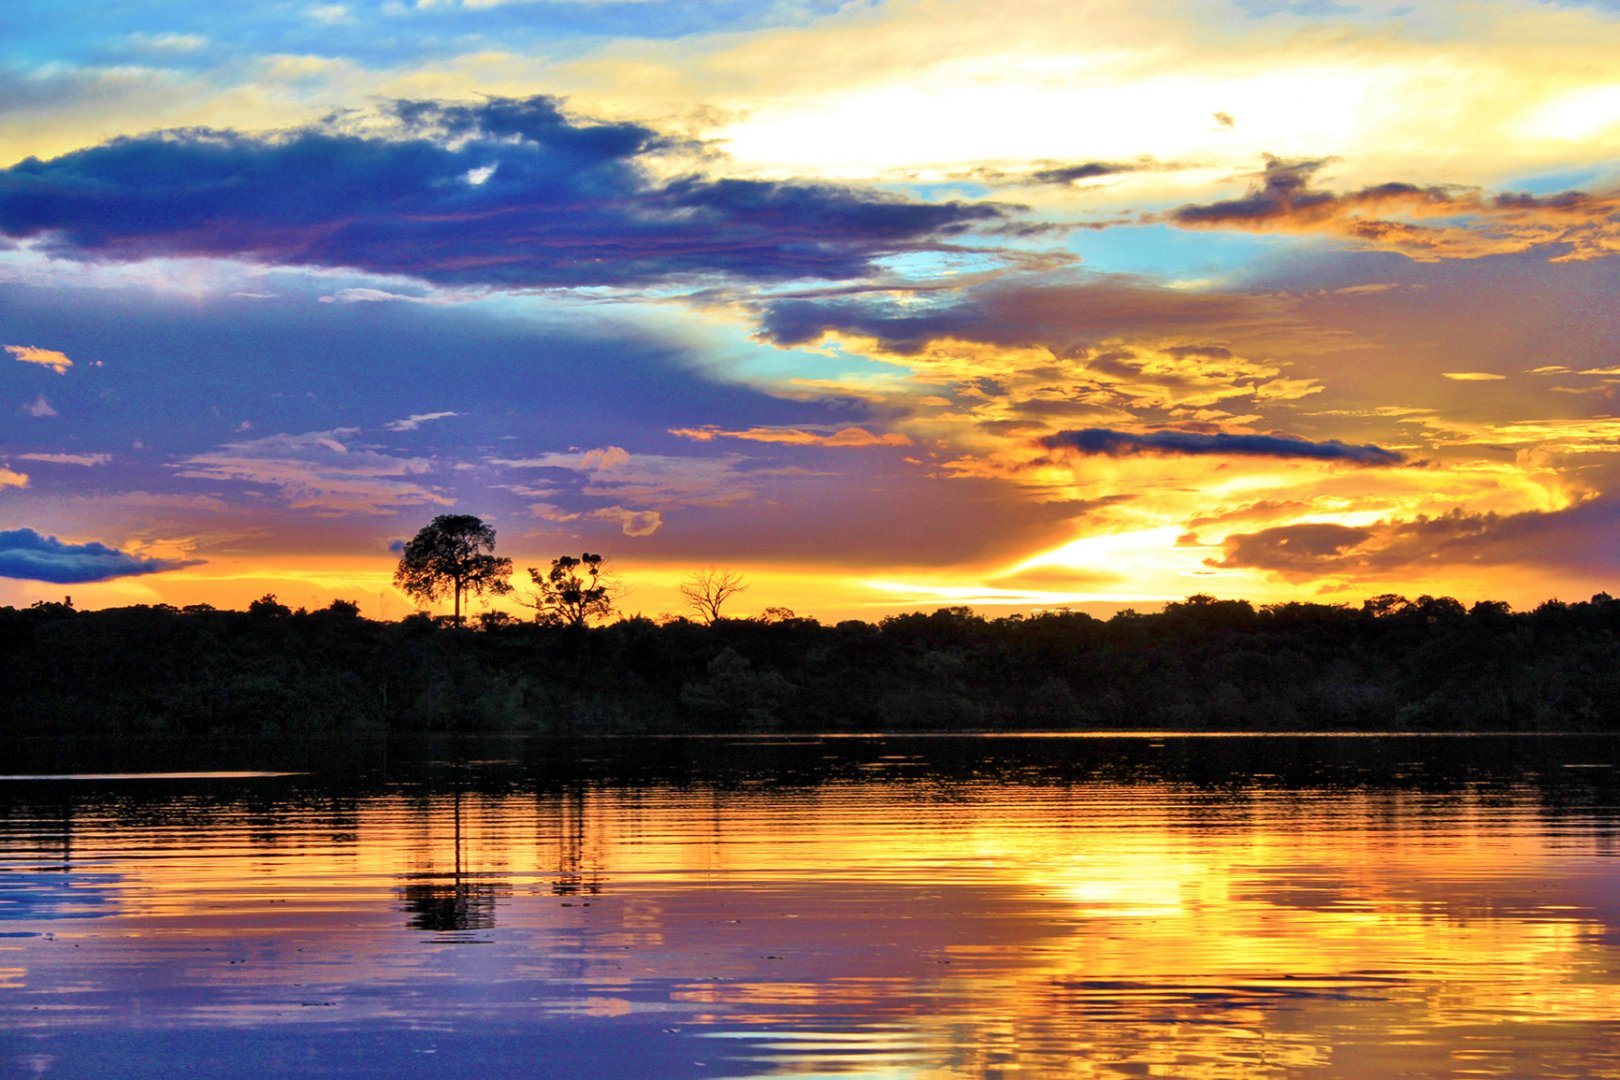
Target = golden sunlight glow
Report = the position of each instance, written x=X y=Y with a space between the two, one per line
x=1582 y=114
x=961 y=115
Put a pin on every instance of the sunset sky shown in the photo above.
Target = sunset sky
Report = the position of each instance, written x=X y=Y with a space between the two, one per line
x=886 y=305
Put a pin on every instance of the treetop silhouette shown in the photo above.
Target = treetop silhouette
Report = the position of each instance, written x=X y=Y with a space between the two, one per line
x=453 y=555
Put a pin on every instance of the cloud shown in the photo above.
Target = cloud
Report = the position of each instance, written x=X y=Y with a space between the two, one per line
x=1065 y=175
x=39 y=407
x=630 y=522
x=166 y=43
x=570 y=204
x=1282 y=199
x=984 y=373
x=1060 y=315
x=1111 y=443
x=319 y=471
x=1472 y=376
x=31 y=354
x=1576 y=538
x=660 y=481
x=68 y=459
x=378 y=296
x=1069 y=174
x=552 y=512
x=796 y=436
x=1295 y=551
x=26 y=554
x=606 y=457
x=416 y=420
x=330 y=14
x=11 y=478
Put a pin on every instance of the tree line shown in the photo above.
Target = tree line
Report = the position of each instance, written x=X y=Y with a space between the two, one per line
x=1200 y=664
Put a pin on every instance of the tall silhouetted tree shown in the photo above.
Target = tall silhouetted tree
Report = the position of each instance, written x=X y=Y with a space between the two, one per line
x=452 y=556
x=706 y=590
x=572 y=591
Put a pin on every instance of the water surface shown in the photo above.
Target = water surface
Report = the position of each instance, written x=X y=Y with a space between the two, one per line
x=882 y=907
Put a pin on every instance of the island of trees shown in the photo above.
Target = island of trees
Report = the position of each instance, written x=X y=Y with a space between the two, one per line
x=578 y=667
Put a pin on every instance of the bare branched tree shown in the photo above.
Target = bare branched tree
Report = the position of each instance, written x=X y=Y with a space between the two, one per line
x=706 y=590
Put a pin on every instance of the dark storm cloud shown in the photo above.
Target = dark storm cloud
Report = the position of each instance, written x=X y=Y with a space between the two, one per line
x=1112 y=443
x=505 y=193
x=26 y=554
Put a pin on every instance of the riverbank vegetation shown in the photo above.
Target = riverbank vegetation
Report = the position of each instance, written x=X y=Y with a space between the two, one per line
x=1204 y=663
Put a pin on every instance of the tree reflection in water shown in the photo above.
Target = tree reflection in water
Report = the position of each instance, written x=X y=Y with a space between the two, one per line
x=460 y=900
x=578 y=874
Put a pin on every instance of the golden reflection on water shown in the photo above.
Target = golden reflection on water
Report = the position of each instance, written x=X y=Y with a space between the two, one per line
x=933 y=929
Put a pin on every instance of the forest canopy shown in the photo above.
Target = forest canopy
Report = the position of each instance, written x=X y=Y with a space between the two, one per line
x=1200 y=664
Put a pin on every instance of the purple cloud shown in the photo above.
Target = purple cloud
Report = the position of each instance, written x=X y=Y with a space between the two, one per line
x=506 y=193
x=26 y=554
x=1112 y=443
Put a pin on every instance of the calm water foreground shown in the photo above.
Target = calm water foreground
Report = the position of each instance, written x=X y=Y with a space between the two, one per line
x=875 y=907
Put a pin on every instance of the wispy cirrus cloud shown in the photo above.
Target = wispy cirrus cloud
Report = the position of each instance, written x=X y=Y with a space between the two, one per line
x=635 y=492
x=416 y=420
x=30 y=556
x=319 y=471
x=659 y=481
x=68 y=459
x=509 y=192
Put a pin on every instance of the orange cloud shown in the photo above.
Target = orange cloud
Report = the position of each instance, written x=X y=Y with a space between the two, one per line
x=630 y=522
x=1315 y=550
x=32 y=354
x=1281 y=198
x=792 y=436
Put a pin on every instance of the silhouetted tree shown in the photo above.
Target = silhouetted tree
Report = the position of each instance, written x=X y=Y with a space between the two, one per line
x=452 y=556
x=268 y=607
x=706 y=590
x=572 y=591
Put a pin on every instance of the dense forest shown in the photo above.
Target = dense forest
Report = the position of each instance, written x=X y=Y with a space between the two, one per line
x=1429 y=664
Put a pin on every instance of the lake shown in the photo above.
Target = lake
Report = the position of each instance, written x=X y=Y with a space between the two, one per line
x=1150 y=905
